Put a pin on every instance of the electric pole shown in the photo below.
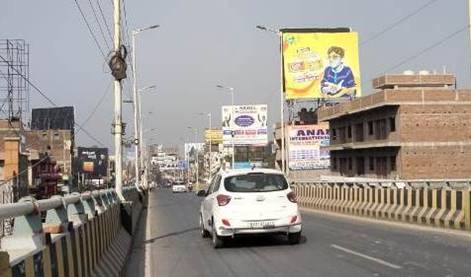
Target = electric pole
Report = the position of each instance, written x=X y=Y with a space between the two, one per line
x=118 y=70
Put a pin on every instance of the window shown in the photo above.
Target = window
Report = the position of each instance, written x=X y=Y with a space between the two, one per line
x=381 y=129
x=372 y=163
x=334 y=163
x=392 y=124
x=393 y=163
x=349 y=131
x=370 y=128
x=359 y=132
x=334 y=134
x=342 y=135
x=255 y=182
x=360 y=166
x=350 y=166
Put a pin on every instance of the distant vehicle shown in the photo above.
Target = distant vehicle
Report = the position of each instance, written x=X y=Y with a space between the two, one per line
x=179 y=187
x=249 y=202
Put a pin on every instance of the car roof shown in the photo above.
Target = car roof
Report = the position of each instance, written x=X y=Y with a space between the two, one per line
x=233 y=172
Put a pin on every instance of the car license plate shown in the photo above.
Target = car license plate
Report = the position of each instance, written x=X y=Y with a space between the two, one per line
x=262 y=225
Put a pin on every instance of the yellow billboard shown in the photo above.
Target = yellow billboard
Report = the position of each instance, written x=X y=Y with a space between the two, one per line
x=213 y=135
x=320 y=64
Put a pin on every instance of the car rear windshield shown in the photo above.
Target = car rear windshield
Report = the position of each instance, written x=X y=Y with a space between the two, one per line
x=255 y=182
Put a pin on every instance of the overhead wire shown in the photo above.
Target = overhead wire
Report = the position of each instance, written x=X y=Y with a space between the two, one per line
x=398 y=22
x=90 y=29
x=99 y=25
x=104 y=20
x=100 y=101
x=49 y=100
x=427 y=49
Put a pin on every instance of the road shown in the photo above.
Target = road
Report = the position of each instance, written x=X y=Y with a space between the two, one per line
x=331 y=246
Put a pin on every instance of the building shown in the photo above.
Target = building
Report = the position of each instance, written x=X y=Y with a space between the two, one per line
x=57 y=144
x=414 y=127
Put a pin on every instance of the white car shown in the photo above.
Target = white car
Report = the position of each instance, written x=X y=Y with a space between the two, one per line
x=249 y=202
x=179 y=187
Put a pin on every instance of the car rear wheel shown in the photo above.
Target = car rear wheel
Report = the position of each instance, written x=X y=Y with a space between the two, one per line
x=217 y=240
x=294 y=238
x=203 y=231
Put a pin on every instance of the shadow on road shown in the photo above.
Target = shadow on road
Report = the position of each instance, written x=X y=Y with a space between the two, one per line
x=171 y=235
x=259 y=241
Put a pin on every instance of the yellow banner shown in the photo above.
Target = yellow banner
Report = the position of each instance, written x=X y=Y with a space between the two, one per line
x=321 y=65
x=215 y=135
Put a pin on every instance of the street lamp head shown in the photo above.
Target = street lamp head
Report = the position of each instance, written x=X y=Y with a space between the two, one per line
x=137 y=31
x=261 y=27
x=224 y=87
x=146 y=88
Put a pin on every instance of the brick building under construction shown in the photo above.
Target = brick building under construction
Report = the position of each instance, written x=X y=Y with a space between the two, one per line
x=414 y=127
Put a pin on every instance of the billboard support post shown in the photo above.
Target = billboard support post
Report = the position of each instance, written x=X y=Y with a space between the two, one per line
x=282 y=104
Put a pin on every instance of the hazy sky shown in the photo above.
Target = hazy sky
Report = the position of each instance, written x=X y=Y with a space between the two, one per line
x=207 y=42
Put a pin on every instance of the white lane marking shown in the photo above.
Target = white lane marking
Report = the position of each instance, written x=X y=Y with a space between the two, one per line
x=365 y=256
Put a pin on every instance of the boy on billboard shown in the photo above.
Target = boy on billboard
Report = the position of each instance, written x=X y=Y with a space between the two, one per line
x=338 y=78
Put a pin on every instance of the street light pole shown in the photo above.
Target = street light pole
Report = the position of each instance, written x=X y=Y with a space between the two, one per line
x=230 y=123
x=210 y=144
x=137 y=108
x=136 y=114
x=282 y=96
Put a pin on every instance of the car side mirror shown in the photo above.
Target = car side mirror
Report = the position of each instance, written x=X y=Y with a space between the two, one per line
x=201 y=193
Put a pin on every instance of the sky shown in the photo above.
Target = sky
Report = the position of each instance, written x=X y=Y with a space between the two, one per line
x=204 y=43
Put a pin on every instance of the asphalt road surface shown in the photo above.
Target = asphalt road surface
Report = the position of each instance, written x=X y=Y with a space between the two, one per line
x=331 y=246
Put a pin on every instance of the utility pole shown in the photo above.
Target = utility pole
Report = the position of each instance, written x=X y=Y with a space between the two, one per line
x=118 y=126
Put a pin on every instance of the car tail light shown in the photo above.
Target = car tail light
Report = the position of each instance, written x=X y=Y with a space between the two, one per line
x=293 y=219
x=226 y=222
x=223 y=200
x=292 y=197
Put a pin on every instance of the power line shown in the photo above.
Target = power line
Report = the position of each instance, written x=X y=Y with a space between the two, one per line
x=126 y=28
x=99 y=25
x=47 y=98
x=398 y=22
x=104 y=20
x=425 y=50
x=102 y=98
x=90 y=30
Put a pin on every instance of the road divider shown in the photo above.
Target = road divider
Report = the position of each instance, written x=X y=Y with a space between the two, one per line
x=440 y=204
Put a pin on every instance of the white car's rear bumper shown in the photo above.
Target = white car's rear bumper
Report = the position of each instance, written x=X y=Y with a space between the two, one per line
x=232 y=231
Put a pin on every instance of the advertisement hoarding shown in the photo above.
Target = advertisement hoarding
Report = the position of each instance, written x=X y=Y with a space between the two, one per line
x=191 y=149
x=93 y=161
x=213 y=135
x=304 y=146
x=320 y=64
x=245 y=124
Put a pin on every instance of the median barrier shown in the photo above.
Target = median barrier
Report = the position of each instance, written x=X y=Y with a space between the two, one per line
x=440 y=203
x=82 y=235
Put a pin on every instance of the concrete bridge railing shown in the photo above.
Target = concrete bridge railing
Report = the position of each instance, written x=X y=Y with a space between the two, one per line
x=435 y=203
x=86 y=234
